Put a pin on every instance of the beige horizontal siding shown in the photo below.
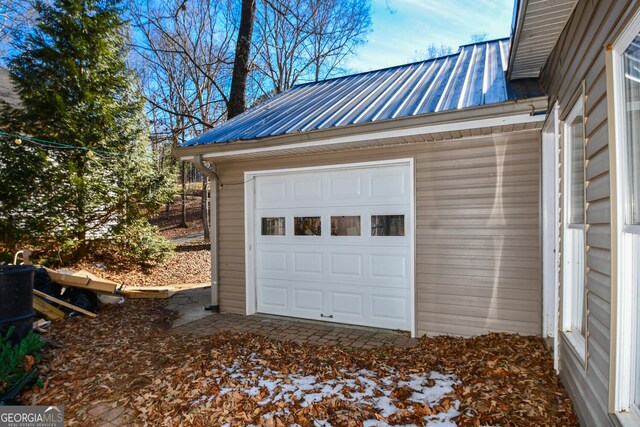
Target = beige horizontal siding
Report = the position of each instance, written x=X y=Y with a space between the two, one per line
x=580 y=57
x=477 y=230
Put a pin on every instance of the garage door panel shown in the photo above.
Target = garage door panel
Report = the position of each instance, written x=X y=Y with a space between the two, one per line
x=380 y=186
x=273 y=261
x=273 y=296
x=349 y=304
x=309 y=189
x=345 y=187
x=389 y=265
x=308 y=299
x=390 y=185
x=346 y=264
x=301 y=299
x=389 y=307
x=308 y=262
x=272 y=191
x=377 y=266
x=360 y=279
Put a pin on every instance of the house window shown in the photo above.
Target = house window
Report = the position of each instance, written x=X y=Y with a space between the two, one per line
x=387 y=225
x=345 y=225
x=574 y=230
x=307 y=226
x=627 y=119
x=273 y=226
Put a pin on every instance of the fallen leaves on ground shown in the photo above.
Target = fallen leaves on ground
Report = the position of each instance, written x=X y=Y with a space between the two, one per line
x=188 y=264
x=127 y=356
x=170 y=224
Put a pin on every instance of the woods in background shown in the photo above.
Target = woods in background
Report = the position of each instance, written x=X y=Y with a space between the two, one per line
x=157 y=74
x=203 y=61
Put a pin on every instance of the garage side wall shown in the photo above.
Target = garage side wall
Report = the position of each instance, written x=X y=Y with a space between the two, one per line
x=576 y=64
x=477 y=230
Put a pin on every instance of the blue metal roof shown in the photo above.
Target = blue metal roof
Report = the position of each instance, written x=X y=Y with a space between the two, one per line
x=472 y=77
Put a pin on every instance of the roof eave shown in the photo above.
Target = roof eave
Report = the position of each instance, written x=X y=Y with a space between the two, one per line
x=533 y=42
x=516 y=31
x=455 y=119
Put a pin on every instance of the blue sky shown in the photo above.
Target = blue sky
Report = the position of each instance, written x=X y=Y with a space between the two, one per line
x=413 y=24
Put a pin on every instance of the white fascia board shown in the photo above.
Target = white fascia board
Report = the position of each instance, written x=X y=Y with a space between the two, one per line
x=394 y=133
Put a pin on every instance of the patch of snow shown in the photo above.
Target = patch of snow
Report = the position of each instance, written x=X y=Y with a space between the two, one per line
x=360 y=387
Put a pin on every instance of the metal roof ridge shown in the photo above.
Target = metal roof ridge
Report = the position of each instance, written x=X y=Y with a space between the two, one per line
x=408 y=64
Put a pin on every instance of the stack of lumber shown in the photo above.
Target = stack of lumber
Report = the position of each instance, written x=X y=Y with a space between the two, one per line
x=45 y=305
x=85 y=280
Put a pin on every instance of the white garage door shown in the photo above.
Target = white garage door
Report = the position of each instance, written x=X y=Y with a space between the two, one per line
x=336 y=245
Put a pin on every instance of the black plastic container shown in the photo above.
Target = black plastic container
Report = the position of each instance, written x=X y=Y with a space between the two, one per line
x=16 y=300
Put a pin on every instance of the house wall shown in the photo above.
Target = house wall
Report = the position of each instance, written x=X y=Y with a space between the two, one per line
x=477 y=230
x=579 y=59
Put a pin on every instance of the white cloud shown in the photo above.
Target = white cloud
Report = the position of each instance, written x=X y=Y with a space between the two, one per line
x=417 y=23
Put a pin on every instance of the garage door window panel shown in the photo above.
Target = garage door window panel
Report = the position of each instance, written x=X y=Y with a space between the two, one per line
x=273 y=226
x=345 y=226
x=387 y=225
x=307 y=226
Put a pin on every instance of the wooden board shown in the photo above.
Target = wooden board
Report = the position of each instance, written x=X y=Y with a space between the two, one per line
x=146 y=293
x=64 y=303
x=93 y=277
x=78 y=281
x=47 y=310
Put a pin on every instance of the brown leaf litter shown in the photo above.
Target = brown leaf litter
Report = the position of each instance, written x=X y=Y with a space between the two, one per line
x=127 y=356
x=188 y=264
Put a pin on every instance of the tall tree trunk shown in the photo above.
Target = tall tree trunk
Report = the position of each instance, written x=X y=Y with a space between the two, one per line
x=183 y=223
x=237 y=96
x=172 y=164
x=205 y=207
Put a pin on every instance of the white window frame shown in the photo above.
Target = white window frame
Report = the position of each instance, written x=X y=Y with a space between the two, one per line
x=551 y=230
x=625 y=307
x=576 y=340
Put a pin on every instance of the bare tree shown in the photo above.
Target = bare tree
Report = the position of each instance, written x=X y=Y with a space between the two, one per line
x=307 y=41
x=194 y=77
x=186 y=45
x=479 y=37
x=433 y=51
x=16 y=16
x=182 y=52
x=437 y=51
x=337 y=29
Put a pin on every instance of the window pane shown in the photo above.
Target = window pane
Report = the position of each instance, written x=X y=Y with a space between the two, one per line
x=632 y=117
x=345 y=225
x=577 y=275
x=307 y=226
x=387 y=225
x=576 y=179
x=273 y=226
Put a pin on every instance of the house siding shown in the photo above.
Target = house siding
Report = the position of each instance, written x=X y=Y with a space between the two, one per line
x=477 y=230
x=577 y=62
